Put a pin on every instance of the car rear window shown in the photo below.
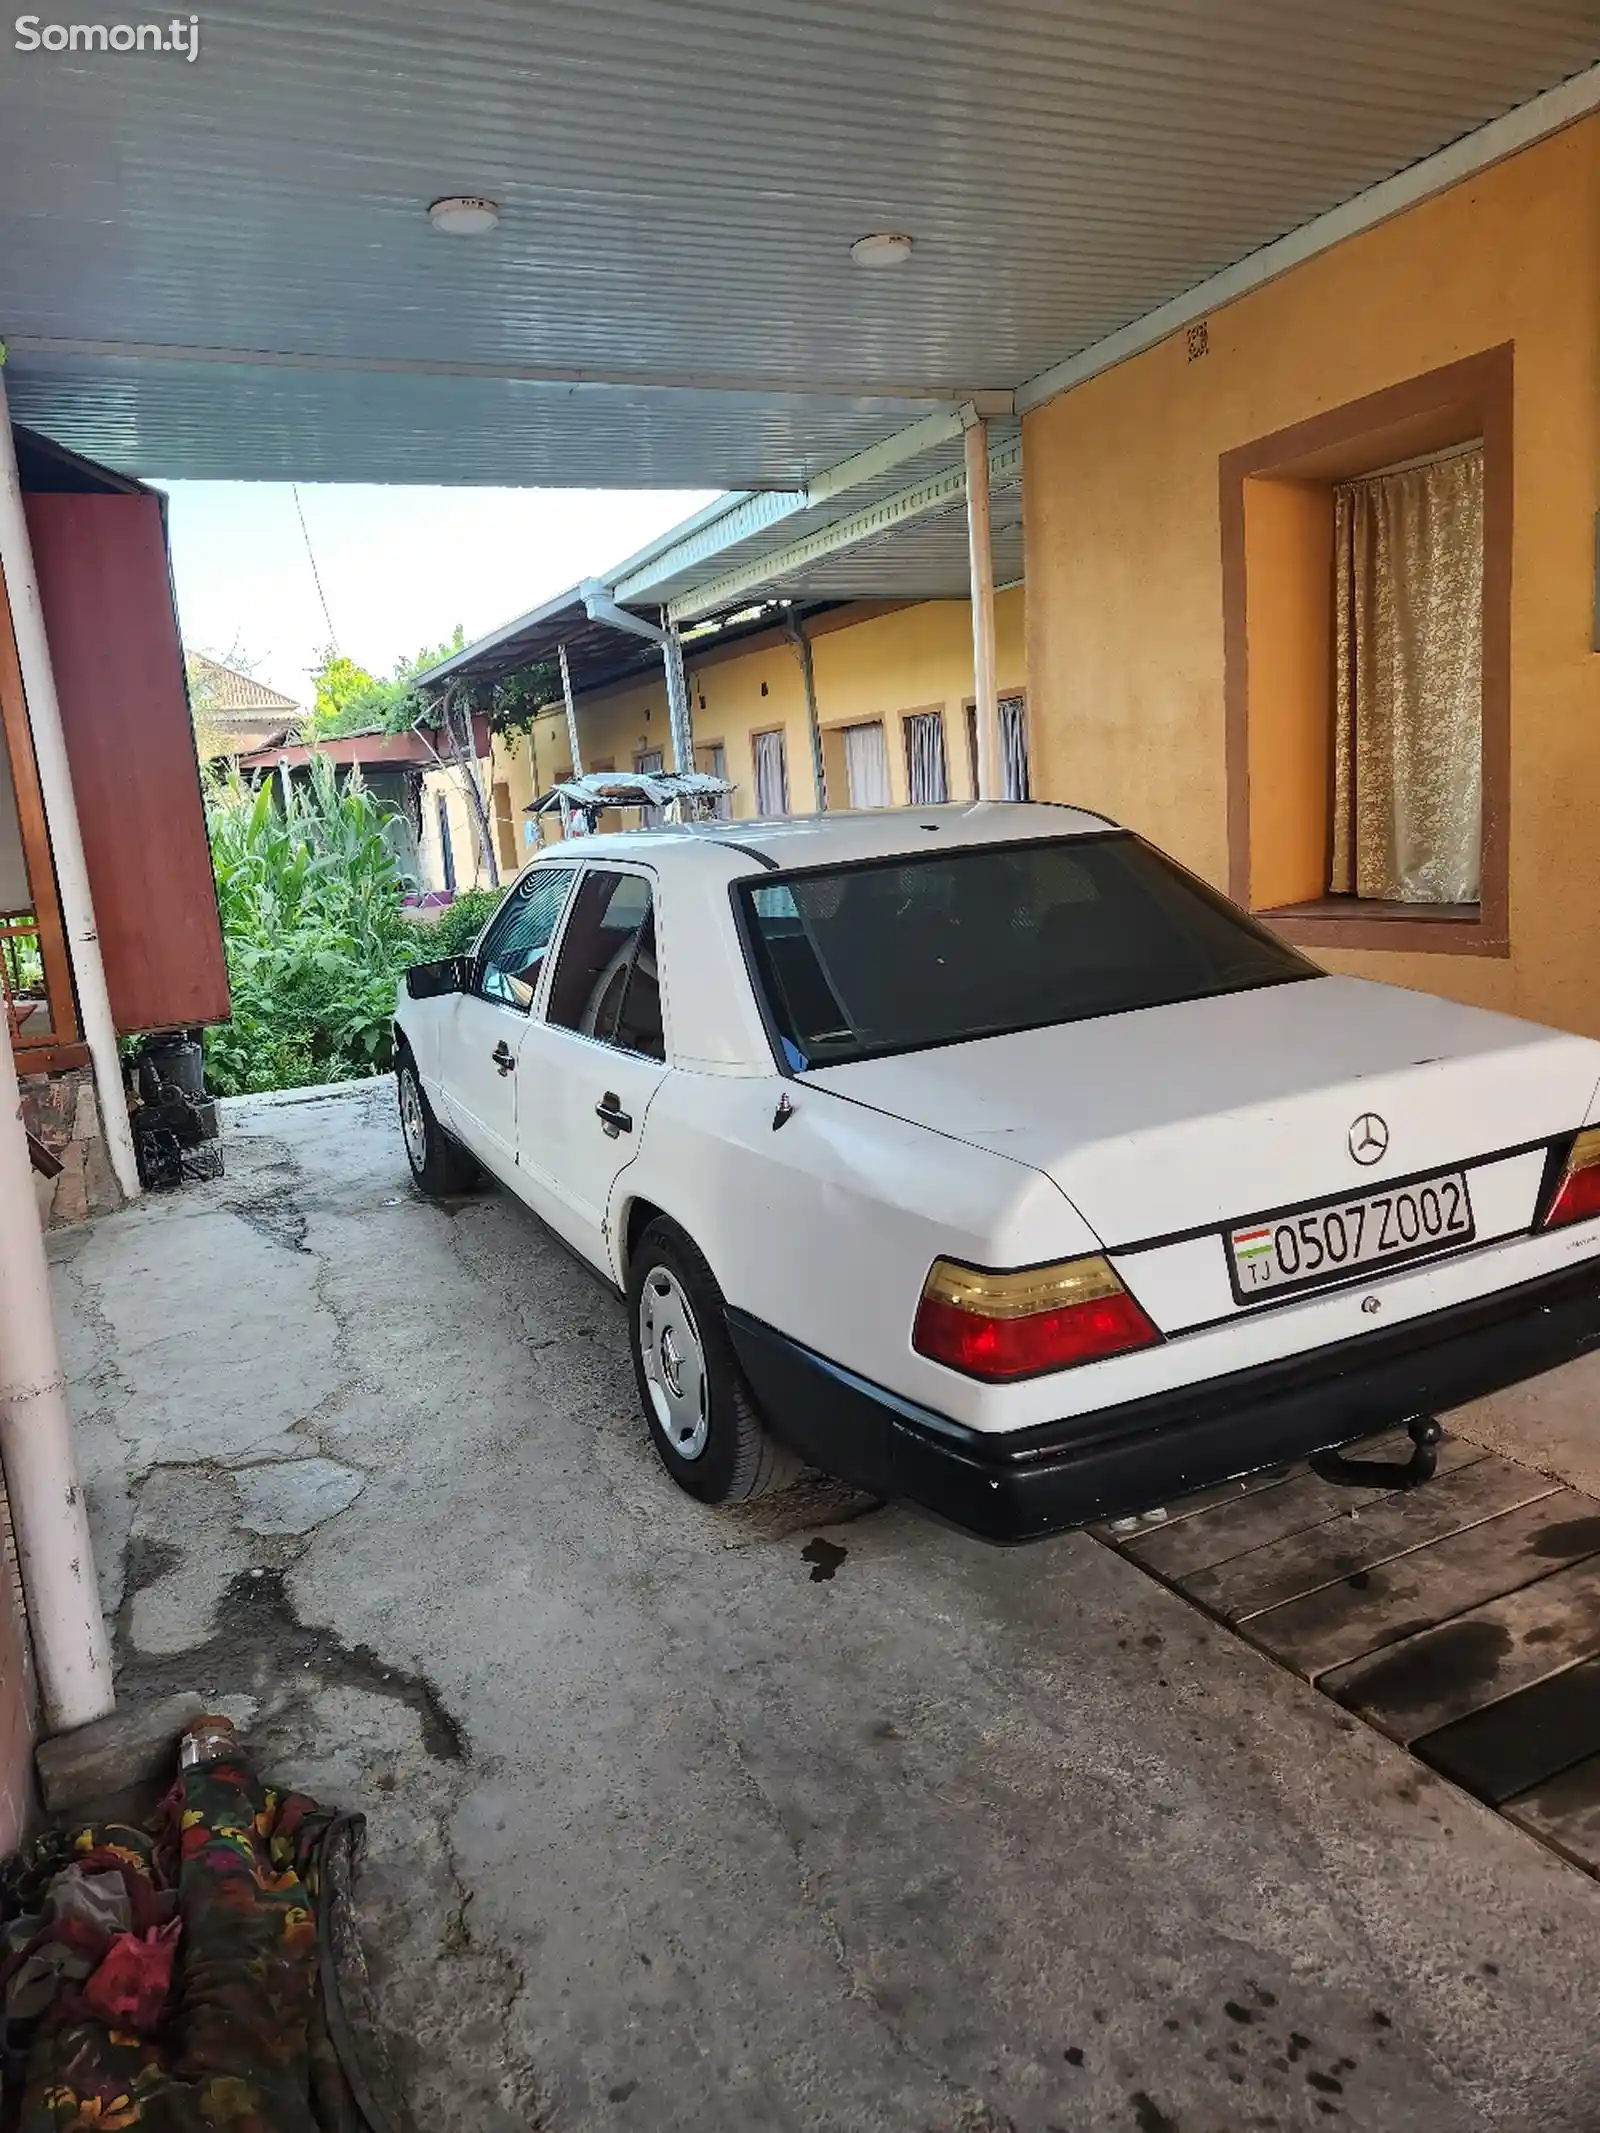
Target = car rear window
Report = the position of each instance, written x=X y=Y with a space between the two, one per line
x=857 y=961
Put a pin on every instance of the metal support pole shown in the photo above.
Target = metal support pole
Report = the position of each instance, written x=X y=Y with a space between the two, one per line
x=572 y=712
x=991 y=775
x=61 y=814
x=678 y=715
x=795 y=630
x=48 y=1512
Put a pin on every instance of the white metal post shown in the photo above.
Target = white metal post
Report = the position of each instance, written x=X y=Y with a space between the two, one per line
x=991 y=778
x=61 y=813
x=572 y=713
x=48 y=1513
x=678 y=715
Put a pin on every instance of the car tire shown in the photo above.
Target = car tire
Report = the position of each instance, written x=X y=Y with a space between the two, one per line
x=440 y=1166
x=702 y=1415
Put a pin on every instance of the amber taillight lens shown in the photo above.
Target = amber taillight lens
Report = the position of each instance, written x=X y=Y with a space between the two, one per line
x=1578 y=1194
x=1019 y=1325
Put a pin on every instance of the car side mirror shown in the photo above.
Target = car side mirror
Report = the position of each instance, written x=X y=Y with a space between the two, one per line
x=429 y=981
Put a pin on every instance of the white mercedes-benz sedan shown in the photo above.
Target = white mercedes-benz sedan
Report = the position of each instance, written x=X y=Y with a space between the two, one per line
x=982 y=1156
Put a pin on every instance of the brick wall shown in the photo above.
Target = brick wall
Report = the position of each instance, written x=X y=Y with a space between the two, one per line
x=61 y=1110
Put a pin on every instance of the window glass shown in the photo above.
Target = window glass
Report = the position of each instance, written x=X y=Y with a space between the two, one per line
x=859 y=961
x=772 y=774
x=606 y=983
x=866 y=766
x=926 y=781
x=1407 y=816
x=519 y=934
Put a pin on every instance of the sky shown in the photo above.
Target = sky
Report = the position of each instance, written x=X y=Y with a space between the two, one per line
x=400 y=567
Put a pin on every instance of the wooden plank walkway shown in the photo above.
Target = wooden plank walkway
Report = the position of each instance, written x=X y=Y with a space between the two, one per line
x=1461 y=1618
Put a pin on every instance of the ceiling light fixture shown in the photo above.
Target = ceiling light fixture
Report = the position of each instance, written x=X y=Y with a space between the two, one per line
x=887 y=248
x=464 y=216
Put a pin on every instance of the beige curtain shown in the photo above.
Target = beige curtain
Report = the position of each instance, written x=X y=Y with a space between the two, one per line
x=1408 y=658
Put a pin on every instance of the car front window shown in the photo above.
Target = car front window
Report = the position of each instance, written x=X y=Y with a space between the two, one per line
x=519 y=935
x=859 y=961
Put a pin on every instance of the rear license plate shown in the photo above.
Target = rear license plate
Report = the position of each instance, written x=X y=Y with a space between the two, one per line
x=1304 y=1250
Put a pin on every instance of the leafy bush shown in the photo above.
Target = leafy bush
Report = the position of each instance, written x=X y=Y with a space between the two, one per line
x=315 y=936
x=458 y=925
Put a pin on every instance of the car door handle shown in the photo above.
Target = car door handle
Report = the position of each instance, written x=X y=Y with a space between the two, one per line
x=611 y=1115
x=503 y=1056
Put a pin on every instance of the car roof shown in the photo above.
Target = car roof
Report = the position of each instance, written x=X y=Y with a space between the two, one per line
x=837 y=839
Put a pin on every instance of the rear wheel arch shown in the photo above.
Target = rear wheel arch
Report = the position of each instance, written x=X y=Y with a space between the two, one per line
x=637 y=1218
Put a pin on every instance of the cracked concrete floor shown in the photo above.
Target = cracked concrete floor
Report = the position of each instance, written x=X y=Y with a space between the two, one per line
x=729 y=1822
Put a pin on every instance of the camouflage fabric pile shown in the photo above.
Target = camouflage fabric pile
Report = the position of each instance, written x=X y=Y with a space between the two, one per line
x=200 y=1974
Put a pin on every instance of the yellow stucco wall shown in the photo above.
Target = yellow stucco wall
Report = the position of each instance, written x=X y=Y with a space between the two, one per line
x=1125 y=649
x=879 y=666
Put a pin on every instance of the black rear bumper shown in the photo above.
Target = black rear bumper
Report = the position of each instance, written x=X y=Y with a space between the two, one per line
x=1028 y=1483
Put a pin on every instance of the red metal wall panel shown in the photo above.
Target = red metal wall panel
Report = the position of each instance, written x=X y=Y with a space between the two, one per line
x=107 y=594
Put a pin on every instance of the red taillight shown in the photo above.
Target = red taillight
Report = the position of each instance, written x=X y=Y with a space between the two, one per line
x=1018 y=1325
x=1578 y=1194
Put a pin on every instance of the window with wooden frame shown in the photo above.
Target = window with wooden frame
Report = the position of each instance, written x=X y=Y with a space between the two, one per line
x=1366 y=606
x=770 y=757
x=505 y=829
x=927 y=774
x=1016 y=778
x=35 y=975
x=711 y=757
x=856 y=763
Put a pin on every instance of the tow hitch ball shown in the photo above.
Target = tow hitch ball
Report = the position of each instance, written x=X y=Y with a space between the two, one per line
x=1345 y=1473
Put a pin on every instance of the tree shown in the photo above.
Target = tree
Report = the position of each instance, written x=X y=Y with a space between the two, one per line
x=347 y=699
x=351 y=699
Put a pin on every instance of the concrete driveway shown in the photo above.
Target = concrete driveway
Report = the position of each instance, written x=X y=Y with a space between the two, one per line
x=680 y=1821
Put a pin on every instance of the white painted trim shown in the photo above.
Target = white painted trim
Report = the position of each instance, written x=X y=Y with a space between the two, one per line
x=756 y=510
x=939 y=492
x=48 y=1508
x=761 y=509
x=1531 y=122
x=980 y=554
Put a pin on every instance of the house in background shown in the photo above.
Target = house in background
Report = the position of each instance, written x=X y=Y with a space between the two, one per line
x=1311 y=593
x=234 y=713
x=396 y=768
x=799 y=705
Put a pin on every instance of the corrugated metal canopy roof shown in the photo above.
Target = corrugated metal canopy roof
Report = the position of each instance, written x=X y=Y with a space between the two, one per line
x=196 y=255
x=599 y=656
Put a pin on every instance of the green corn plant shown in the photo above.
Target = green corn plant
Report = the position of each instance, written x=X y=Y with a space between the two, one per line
x=312 y=920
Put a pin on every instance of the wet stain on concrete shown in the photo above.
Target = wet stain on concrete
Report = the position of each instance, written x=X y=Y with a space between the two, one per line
x=1148 y=2115
x=145 y=1563
x=275 y=1216
x=824 y=1556
x=259 y=1639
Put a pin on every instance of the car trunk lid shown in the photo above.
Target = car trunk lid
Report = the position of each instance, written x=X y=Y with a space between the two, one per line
x=1179 y=1118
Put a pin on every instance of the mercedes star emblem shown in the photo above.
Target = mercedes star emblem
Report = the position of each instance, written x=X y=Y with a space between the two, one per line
x=1369 y=1138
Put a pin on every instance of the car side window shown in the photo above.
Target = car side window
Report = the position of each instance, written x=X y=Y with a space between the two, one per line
x=520 y=934
x=606 y=982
